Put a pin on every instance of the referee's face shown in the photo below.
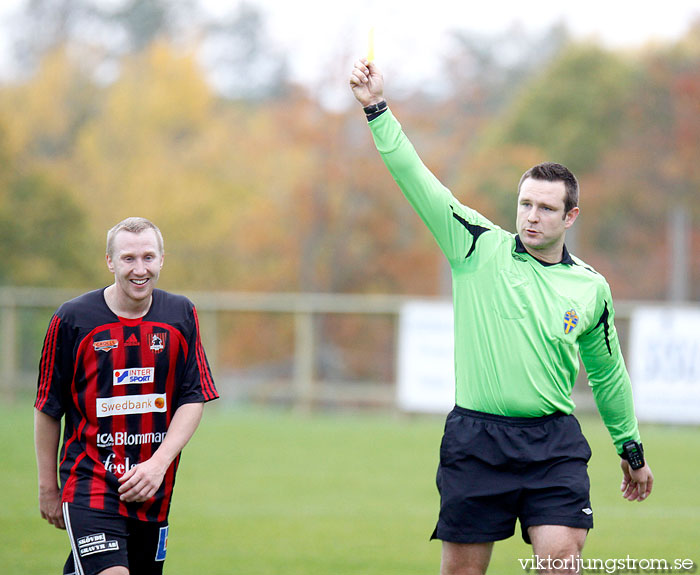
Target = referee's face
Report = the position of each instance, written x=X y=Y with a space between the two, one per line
x=541 y=220
x=136 y=264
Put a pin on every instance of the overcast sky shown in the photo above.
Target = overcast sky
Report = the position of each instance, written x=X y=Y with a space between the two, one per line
x=409 y=35
x=615 y=21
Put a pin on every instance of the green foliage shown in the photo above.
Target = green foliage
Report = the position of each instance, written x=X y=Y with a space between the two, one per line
x=44 y=238
x=573 y=110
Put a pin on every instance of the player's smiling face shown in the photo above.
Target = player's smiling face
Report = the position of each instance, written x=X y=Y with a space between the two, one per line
x=136 y=261
x=541 y=220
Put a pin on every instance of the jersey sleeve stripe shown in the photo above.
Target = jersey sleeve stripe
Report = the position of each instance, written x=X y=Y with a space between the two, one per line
x=207 y=383
x=208 y=388
x=48 y=358
x=606 y=327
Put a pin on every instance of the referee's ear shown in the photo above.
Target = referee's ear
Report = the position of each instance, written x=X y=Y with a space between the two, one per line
x=570 y=217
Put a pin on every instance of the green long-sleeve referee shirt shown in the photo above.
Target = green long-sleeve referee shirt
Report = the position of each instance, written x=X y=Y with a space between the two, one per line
x=520 y=324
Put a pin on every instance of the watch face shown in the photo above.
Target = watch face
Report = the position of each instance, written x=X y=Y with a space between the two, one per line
x=634 y=454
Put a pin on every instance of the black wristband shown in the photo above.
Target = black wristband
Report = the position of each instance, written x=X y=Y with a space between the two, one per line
x=633 y=453
x=374 y=110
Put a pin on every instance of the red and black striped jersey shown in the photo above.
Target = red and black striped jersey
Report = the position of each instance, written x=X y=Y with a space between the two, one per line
x=117 y=383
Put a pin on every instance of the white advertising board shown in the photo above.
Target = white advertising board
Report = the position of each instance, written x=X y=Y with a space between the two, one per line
x=425 y=368
x=665 y=364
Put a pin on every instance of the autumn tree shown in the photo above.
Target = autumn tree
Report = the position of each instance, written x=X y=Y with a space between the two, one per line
x=43 y=239
x=45 y=230
x=650 y=172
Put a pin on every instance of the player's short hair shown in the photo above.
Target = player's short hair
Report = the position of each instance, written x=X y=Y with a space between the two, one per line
x=553 y=172
x=135 y=226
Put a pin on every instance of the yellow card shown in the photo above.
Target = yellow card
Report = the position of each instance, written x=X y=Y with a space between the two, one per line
x=370 y=45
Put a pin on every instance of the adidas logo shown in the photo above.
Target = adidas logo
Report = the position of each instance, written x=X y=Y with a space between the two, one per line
x=132 y=340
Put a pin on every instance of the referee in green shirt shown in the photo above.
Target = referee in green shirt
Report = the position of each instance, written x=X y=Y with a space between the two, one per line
x=525 y=308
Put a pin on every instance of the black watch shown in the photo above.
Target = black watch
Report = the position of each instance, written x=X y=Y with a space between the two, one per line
x=375 y=108
x=633 y=453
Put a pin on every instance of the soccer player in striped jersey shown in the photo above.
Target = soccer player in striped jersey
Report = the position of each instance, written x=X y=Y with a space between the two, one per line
x=124 y=369
x=525 y=308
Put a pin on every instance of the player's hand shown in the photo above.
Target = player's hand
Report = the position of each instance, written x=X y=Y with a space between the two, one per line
x=636 y=483
x=50 y=507
x=367 y=82
x=141 y=481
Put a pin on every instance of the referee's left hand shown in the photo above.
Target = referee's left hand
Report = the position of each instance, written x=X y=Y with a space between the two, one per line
x=636 y=483
x=141 y=481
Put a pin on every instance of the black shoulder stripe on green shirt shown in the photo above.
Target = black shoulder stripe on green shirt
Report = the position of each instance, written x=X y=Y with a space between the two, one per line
x=473 y=229
x=606 y=326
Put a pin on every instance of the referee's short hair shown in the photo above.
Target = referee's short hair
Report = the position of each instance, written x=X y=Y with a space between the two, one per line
x=135 y=226
x=553 y=172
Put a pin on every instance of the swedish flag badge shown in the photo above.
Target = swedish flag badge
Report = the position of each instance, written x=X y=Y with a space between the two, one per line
x=570 y=320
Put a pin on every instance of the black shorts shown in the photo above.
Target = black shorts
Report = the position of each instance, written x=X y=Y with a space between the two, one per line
x=100 y=540
x=495 y=469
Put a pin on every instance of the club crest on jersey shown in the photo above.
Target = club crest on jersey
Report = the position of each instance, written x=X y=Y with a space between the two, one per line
x=105 y=345
x=157 y=341
x=570 y=321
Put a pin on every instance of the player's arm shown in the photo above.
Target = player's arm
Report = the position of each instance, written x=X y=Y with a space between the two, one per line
x=142 y=481
x=48 y=411
x=47 y=432
x=612 y=391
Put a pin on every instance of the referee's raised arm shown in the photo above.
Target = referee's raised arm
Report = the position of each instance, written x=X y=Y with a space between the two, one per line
x=433 y=202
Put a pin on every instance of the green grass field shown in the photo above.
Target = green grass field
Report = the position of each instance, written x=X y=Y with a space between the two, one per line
x=271 y=492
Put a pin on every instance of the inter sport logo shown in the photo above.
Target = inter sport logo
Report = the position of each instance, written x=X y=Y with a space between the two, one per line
x=133 y=375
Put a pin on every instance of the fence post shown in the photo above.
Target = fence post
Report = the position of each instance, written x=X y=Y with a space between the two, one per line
x=303 y=360
x=8 y=331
